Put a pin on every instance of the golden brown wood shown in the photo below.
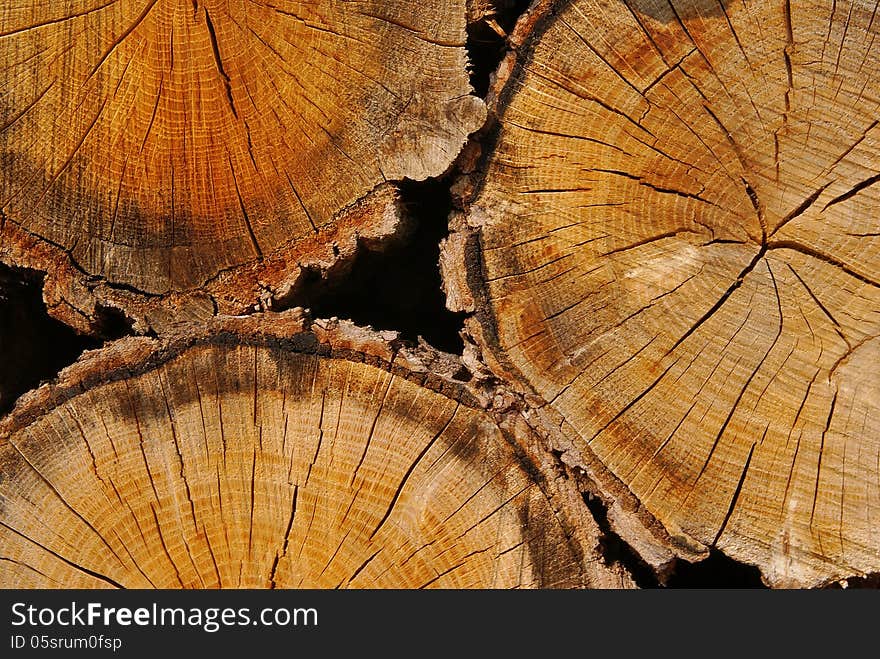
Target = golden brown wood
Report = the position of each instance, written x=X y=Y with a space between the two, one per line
x=151 y=148
x=679 y=253
x=257 y=456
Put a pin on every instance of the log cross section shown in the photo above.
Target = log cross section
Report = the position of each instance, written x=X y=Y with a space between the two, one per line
x=680 y=244
x=240 y=463
x=159 y=147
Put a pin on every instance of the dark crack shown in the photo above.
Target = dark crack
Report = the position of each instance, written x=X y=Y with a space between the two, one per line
x=487 y=42
x=33 y=346
x=615 y=550
x=397 y=285
x=717 y=571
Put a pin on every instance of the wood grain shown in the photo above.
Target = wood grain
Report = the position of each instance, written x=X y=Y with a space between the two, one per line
x=154 y=145
x=257 y=459
x=679 y=251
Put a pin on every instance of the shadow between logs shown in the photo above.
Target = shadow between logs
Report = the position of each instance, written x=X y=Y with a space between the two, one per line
x=33 y=346
x=398 y=286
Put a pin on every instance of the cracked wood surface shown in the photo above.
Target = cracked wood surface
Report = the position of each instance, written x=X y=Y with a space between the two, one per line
x=677 y=249
x=258 y=454
x=149 y=148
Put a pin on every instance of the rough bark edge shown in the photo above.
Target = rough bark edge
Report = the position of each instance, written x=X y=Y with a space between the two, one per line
x=463 y=276
x=78 y=299
x=486 y=11
x=462 y=273
x=478 y=10
x=294 y=331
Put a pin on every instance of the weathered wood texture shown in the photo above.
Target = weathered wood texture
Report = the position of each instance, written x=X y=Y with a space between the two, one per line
x=676 y=252
x=262 y=455
x=179 y=159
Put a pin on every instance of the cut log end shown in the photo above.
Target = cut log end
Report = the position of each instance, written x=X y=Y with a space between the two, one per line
x=255 y=458
x=681 y=250
x=152 y=146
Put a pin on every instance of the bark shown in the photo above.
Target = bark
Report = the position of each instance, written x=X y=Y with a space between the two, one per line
x=176 y=160
x=487 y=11
x=672 y=248
x=275 y=452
